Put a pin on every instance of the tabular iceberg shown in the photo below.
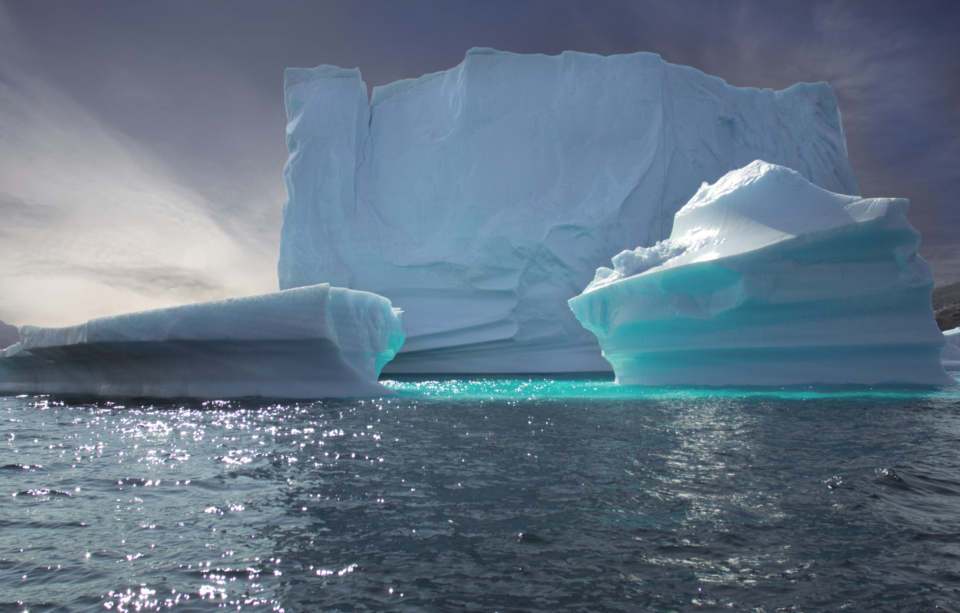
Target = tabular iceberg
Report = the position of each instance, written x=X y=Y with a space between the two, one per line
x=310 y=342
x=768 y=279
x=481 y=198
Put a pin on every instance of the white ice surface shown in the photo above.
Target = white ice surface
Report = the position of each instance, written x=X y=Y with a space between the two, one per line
x=768 y=279
x=481 y=198
x=309 y=342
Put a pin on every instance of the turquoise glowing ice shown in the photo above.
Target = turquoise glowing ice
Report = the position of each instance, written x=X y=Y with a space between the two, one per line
x=768 y=279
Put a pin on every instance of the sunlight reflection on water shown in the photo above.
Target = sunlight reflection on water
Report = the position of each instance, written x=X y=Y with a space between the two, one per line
x=601 y=387
x=485 y=493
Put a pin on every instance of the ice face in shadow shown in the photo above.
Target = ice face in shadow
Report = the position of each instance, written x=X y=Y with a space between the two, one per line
x=310 y=342
x=951 y=351
x=768 y=279
x=480 y=199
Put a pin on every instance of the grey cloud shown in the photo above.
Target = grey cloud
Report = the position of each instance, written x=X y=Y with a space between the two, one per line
x=17 y=214
x=144 y=280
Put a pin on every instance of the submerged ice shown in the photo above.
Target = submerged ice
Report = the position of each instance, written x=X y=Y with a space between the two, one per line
x=767 y=279
x=310 y=342
x=480 y=199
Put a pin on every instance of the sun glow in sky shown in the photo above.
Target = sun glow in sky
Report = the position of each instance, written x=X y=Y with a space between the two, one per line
x=142 y=144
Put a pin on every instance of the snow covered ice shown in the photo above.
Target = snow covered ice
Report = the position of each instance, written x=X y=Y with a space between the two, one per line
x=767 y=279
x=480 y=199
x=310 y=342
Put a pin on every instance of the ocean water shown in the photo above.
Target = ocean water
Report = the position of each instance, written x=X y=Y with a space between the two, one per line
x=486 y=494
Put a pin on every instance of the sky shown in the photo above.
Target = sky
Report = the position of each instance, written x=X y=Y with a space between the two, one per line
x=142 y=144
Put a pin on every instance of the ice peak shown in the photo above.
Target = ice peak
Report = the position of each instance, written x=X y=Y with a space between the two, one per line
x=746 y=209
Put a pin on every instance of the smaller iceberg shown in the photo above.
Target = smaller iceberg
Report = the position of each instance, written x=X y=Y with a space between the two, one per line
x=767 y=279
x=951 y=351
x=310 y=342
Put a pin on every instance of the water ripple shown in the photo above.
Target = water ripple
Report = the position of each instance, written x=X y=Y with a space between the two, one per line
x=486 y=494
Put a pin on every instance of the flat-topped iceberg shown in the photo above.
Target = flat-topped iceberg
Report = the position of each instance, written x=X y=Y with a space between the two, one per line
x=482 y=198
x=768 y=279
x=310 y=342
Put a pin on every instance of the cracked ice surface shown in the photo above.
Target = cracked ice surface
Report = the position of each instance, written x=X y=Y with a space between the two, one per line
x=480 y=199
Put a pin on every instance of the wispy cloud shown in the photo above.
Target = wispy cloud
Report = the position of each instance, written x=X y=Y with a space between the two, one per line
x=144 y=168
x=93 y=223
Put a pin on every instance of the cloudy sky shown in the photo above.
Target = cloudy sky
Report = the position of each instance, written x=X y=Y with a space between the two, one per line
x=142 y=143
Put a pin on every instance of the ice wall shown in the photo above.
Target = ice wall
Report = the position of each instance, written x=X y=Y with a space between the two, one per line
x=768 y=279
x=310 y=342
x=951 y=351
x=481 y=198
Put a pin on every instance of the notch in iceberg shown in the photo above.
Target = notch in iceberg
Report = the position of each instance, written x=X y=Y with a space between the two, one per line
x=767 y=279
x=480 y=199
x=310 y=342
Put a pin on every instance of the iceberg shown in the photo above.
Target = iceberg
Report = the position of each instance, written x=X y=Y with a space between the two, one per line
x=951 y=351
x=310 y=342
x=480 y=199
x=767 y=279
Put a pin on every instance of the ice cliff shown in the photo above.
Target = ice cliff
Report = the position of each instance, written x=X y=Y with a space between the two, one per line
x=951 y=351
x=482 y=198
x=767 y=279
x=310 y=342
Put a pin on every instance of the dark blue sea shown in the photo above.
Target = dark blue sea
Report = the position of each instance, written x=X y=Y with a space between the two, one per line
x=486 y=494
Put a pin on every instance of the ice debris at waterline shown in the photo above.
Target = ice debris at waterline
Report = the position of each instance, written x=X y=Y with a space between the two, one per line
x=480 y=199
x=310 y=342
x=768 y=279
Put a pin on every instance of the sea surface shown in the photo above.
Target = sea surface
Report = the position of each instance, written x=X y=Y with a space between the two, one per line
x=486 y=494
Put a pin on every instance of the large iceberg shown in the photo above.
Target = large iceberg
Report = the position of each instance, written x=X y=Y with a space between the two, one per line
x=767 y=279
x=310 y=342
x=481 y=198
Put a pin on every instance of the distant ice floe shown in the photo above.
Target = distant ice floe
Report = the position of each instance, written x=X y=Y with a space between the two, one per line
x=767 y=279
x=310 y=342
